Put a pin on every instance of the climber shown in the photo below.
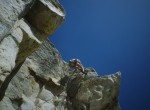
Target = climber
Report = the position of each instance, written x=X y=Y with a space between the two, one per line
x=76 y=64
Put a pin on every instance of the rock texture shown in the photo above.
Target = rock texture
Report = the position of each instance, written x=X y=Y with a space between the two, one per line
x=10 y=12
x=36 y=84
x=33 y=76
x=19 y=36
x=46 y=82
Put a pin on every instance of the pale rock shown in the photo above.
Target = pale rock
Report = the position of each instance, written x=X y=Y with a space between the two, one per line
x=29 y=89
x=10 y=12
x=33 y=75
x=16 y=47
x=44 y=90
x=46 y=95
x=22 y=36
x=8 y=53
x=18 y=37
x=29 y=41
x=47 y=61
x=44 y=100
x=6 y=104
x=42 y=105
x=99 y=93
x=60 y=101
x=27 y=104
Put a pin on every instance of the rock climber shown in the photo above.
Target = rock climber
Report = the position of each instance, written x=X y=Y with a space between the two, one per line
x=76 y=64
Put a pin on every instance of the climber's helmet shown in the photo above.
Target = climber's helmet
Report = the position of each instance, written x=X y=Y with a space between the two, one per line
x=73 y=62
x=77 y=60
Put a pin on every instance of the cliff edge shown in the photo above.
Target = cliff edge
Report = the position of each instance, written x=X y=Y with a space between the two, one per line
x=33 y=76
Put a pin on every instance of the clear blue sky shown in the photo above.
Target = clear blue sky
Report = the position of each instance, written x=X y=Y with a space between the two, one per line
x=111 y=36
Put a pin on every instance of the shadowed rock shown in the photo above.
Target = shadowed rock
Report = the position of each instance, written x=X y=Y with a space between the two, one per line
x=19 y=38
x=44 y=81
x=46 y=16
x=37 y=85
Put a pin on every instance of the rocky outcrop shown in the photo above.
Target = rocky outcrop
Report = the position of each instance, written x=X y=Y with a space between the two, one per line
x=20 y=36
x=94 y=93
x=36 y=84
x=33 y=76
x=10 y=12
x=46 y=82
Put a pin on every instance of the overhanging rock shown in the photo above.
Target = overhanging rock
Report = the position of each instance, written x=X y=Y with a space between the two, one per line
x=19 y=34
x=46 y=16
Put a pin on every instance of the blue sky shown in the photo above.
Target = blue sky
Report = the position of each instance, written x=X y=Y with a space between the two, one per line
x=110 y=36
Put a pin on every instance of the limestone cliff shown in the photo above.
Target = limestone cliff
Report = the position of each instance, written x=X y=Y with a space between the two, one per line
x=33 y=76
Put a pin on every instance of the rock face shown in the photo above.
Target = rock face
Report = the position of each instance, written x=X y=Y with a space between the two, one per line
x=19 y=36
x=46 y=82
x=21 y=32
x=33 y=76
x=96 y=93
x=10 y=12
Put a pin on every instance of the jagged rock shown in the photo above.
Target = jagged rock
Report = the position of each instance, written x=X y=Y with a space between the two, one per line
x=97 y=93
x=48 y=59
x=29 y=42
x=19 y=38
x=37 y=85
x=46 y=16
x=10 y=12
x=43 y=81
x=24 y=34
x=17 y=46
